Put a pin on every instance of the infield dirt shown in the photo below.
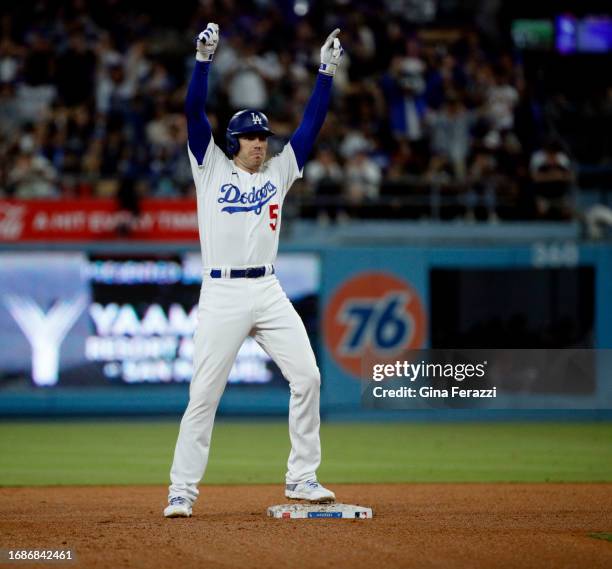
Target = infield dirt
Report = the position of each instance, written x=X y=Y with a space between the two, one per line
x=414 y=525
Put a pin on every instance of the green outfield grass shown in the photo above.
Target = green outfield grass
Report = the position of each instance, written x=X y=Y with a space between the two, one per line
x=604 y=536
x=255 y=452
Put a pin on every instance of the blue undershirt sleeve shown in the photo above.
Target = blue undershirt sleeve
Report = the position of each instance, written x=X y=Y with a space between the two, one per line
x=304 y=137
x=198 y=127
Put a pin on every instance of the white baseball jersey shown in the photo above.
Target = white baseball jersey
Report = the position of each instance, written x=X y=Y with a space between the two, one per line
x=239 y=221
x=239 y=214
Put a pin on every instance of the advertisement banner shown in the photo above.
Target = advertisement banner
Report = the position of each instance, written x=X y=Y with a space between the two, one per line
x=97 y=219
x=70 y=320
x=536 y=326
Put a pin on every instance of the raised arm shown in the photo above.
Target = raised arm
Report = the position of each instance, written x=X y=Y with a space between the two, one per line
x=198 y=127
x=304 y=137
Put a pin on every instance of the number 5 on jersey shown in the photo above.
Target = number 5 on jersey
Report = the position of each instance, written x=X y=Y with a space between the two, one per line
x=273 y=216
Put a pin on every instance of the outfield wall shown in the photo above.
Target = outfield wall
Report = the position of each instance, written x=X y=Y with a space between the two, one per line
x=360 y=305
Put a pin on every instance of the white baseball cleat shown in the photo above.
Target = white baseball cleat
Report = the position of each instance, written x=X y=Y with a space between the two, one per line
x=311 y=491
x=178 y=507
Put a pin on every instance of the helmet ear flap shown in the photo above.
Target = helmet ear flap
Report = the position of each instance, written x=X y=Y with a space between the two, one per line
x=232 y=144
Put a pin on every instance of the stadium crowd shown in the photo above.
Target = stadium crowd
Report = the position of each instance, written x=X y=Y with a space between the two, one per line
x=424 y=121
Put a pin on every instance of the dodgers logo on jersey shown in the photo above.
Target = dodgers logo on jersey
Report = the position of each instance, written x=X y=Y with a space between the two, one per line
x=249 y=201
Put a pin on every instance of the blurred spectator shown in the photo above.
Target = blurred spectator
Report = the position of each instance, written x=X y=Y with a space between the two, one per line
x=9 y=61
x=482 y=187
x=324 y=177
x=450 y=133
x=404 y=88
x=32 y=175
x=361 y=43
x=363 y=178
x=114 y=87
x=502 y=98
x=354 y=141
x=248 y=77
x=551 y=174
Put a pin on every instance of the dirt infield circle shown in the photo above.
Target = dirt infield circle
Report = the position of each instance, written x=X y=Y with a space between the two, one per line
x=415 y=525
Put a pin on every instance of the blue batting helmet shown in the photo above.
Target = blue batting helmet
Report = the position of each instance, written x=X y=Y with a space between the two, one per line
x=244 y=122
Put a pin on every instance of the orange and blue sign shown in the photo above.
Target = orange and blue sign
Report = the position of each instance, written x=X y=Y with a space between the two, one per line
x=373 y=315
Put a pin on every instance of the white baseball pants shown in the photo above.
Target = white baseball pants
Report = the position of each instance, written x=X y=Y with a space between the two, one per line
x=230 y=310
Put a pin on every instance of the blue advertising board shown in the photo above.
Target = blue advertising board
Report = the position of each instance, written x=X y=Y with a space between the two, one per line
x=96 y=334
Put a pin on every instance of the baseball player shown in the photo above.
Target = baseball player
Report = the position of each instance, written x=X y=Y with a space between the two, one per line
x=240 y=201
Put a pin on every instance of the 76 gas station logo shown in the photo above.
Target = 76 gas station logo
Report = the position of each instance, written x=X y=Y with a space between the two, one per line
x=373 y=314
x=382 y=323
